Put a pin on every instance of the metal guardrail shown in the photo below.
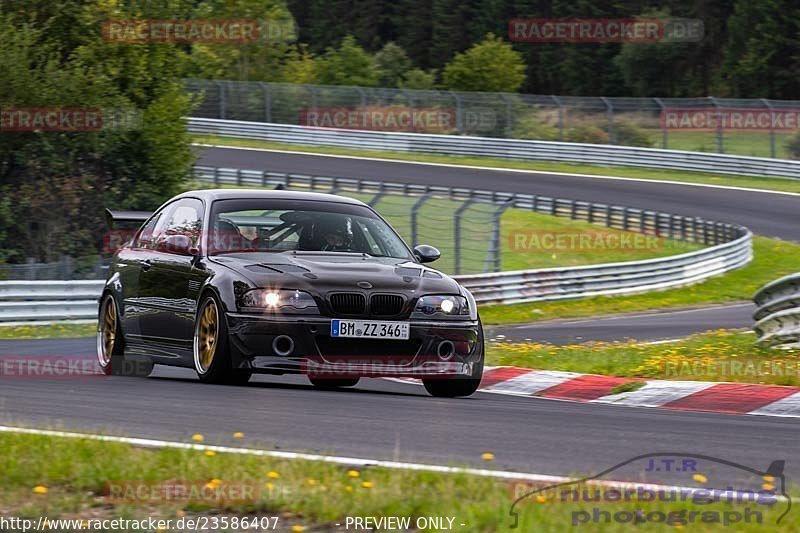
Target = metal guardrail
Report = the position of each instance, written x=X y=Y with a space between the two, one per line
x=708 y=124
x=22 y=301
x=778 y=314
x=730 y=246
x=599 y=154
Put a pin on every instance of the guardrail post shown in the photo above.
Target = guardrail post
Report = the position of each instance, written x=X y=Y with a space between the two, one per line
x=414 y=216
x=457 y=233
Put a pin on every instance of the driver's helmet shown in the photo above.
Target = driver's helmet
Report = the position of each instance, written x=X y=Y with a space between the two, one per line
x=334 y=233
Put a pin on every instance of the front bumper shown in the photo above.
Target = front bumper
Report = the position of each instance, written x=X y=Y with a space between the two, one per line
x=317 y=354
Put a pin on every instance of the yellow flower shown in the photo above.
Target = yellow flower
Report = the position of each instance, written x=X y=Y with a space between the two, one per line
x=197 y=437
x=273 y=474
x=768 y=486
x=238 y=435
x=312 y=481
x=210 y=453
x=353 y=473
x=298 y=529
x=700 y=478
x=348 y=488
x=487 y=456
x=40 y=489
x=269 y=486
x=367 y=484
x=769 y=479
x=541 y=498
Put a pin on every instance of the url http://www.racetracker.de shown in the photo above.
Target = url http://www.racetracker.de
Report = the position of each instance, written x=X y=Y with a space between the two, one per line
x=198 y=523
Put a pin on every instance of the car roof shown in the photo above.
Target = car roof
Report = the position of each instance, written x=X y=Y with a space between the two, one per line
x=235 y=194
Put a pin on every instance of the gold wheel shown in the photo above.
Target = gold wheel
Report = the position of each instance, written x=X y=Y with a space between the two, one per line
x=207 y=335
x=108 y=331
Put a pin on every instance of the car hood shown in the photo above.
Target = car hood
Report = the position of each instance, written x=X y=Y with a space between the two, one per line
x=321 y=273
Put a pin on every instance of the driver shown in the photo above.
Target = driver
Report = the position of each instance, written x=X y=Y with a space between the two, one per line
x=336 y=234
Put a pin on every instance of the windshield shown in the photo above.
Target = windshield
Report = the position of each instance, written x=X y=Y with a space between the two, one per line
x=269 y=225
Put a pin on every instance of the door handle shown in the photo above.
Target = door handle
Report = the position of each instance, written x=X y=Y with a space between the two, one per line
x=145 y=264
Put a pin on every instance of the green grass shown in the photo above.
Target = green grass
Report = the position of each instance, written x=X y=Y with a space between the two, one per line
x=773 y=258
x=709 y=356
x=78 y=473
x=48 y=331
x=772 y=184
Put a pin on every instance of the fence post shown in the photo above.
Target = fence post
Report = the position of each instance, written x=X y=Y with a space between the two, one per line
x=509 y=119
x=459 y=117
x=457 y=233
x=494 y=253
x=663 y=122
x=414 y=216
x=265 y=86
x=557 y=100
x=221 y=89
x=612 y=137
x=771 y=128
x=720 y=149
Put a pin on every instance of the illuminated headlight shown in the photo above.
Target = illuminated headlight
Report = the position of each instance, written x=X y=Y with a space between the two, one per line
x=443 y=305
x=278 y=300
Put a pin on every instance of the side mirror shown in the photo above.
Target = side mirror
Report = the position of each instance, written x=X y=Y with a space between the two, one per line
x=426 y=254
x=177 y=244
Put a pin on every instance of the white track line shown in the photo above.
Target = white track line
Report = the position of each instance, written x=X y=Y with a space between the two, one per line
x=502 y=169
x=351 y=461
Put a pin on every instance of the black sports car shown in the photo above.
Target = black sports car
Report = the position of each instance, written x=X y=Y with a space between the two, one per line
x=232 y=282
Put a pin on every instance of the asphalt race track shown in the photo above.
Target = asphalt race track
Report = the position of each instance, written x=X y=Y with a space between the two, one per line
x=381 y=419
x=386 y=420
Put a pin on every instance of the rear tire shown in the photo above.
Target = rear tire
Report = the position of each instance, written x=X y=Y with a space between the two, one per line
x=459 y=386
x=330 y=384
x=111 y=344
x=211 y=351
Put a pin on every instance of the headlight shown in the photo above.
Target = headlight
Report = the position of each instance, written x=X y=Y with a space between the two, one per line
x=278 y=300
x=442 y=305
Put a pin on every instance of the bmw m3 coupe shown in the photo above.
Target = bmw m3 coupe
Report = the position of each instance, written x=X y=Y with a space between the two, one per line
x=236 y=282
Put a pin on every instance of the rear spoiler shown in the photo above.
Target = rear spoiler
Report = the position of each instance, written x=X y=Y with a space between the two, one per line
x=126 y=218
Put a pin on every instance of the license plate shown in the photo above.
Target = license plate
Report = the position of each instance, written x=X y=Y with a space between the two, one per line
x=369 y=329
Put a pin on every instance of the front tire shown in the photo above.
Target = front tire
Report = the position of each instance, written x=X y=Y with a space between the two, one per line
x=212 y=360
x=459 y=386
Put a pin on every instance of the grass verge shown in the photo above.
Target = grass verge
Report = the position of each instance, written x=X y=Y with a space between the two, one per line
x=710 y=356
x=754 y=182
x=83 y=479
x=773 y=258
x=48 y=331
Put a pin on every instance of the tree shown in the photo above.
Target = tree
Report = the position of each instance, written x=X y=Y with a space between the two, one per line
x=491 y=65
x=392 y=63
x=349 y=64
x=419 y=79
x=55 y=56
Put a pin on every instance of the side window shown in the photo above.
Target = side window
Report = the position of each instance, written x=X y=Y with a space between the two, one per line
x=146 y=236
x=185 y=217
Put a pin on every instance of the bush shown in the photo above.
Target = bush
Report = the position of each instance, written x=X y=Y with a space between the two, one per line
x=793 y=147
x=531 y=126
x=627 y=134
x=586 y=133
